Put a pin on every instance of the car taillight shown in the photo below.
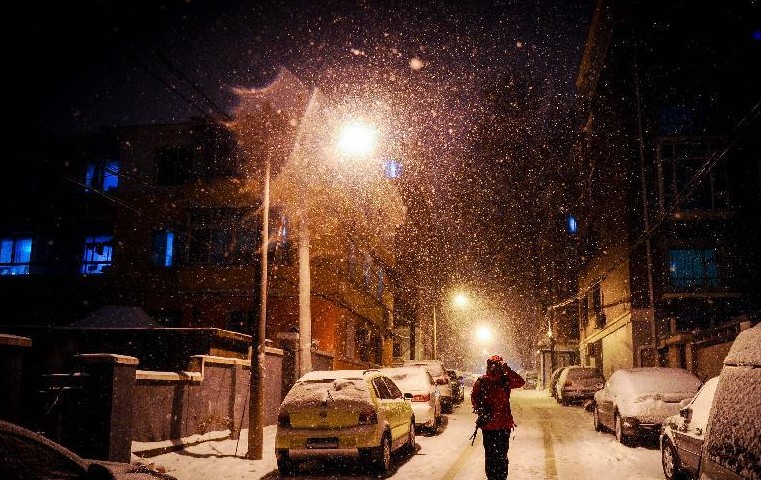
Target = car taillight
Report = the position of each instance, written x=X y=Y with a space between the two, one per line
x=368 y=417
x=283 y=420
x=421 y=398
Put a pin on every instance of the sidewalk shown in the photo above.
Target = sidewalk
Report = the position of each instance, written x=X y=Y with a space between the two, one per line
x=210 y=456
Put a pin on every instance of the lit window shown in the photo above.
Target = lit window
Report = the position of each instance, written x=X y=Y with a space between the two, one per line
x=392 y=169
x=571 y=224
x=96 y=257
x=693 y=268
x=15 y=255
x=163 y=248
x=103 y=176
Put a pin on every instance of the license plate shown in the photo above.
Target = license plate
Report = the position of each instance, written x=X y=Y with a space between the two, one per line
x=331 y=442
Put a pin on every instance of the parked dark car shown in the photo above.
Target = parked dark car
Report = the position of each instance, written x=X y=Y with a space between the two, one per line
x=635 y=401
x=577 y=383
x=27 y=455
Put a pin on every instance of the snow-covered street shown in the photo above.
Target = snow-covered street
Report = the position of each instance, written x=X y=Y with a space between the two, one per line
x=550 y=442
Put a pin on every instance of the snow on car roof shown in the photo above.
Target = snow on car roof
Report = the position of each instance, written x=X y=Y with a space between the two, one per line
x=334 y=389
x=645 y=380
x=745 y=349
x=407 y=377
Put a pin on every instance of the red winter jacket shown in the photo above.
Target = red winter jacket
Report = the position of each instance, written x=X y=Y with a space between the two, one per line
x=493 y=392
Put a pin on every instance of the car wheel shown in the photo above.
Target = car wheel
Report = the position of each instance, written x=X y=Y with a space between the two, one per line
x=411 y=444
x=383 y=455
x=619 y=428
x=596 y=420
x=670 y=461
x=286 y=466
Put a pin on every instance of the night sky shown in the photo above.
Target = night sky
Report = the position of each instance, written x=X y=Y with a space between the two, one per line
x=478 y=93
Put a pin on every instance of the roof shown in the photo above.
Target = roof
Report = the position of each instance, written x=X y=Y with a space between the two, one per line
x=116 y=316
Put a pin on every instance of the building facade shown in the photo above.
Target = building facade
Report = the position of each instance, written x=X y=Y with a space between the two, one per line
x=669 y=174
x=168 y=218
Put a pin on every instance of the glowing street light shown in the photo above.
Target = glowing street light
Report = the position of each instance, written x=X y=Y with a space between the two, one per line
x=357 y=139
x=484 y=334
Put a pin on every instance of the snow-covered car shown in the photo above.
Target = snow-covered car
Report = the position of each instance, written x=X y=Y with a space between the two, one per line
x=343 y=413
x=458 y=386
x=577 y=383
x=635 y=401
x=554 y=381
x=732 y=446
x=440 y=376
x=682 y=435
x=419 y=389
x=28 y=455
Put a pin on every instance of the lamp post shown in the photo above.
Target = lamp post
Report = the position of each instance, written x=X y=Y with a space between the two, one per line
x=355 y=139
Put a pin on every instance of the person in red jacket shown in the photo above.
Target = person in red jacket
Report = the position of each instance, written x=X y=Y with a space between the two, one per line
x=490 y=397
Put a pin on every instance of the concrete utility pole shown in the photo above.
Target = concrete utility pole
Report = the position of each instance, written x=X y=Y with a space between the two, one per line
x=258 y=371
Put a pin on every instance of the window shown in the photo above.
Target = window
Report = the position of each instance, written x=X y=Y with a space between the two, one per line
x=15 y=255
x=173 y=165
x=102 y=176
x=572 y=225
x=96 y=257
x=163 y=248
x=392 y=169
x=381 y=389
x=596 y=307
x=679 y=161
x=223 y=236
x=689 y=268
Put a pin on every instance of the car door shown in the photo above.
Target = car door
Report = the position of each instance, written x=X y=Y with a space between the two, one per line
x=605 y=404
x=395 y=408
x=689 y=433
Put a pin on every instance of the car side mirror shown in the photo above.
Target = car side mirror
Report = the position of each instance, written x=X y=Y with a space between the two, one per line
x=686 y=413
x=441 y=381
x=408 y=396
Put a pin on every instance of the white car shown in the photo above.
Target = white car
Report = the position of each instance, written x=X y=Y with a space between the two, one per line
x=682 y=435
x=636 y=401
x=331 y=414
x=443 y=383
x=419 y=388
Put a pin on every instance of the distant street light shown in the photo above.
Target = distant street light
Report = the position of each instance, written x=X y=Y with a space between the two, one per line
x=484 y=334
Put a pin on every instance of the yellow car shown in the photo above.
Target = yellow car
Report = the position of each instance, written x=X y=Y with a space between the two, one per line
x=343 y=413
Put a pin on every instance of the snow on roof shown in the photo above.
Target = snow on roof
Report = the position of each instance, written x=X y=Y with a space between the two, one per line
x=116 y=316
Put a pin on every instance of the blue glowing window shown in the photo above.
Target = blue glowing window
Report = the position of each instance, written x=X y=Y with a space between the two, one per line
x=693 y=268
x=15 y=255
x=163 y=248
x=572 y=224
x=392 y=169
x=102 y=176
x=96 y=257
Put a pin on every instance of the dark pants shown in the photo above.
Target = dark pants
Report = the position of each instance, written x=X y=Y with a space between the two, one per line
x=496 y=444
